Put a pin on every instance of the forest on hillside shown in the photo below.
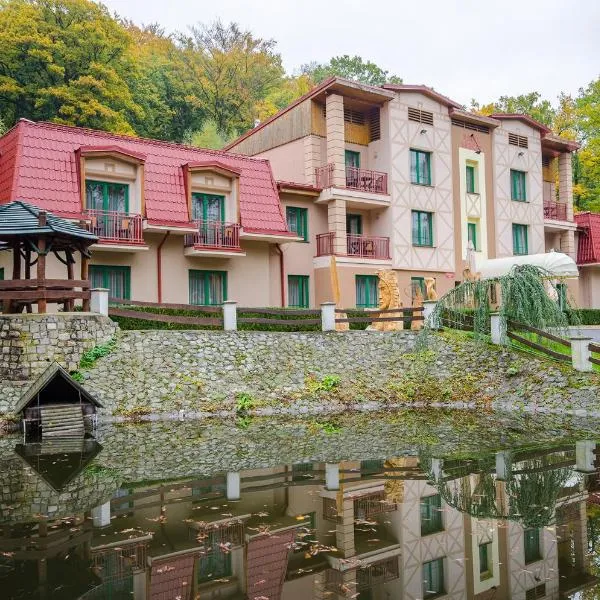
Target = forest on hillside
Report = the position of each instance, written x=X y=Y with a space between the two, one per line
x=73 y=62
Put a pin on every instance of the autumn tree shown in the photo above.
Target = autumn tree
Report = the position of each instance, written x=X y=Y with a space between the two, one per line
x=66 y=60
x=349 y=67
x=232 y=71
x=531 y=104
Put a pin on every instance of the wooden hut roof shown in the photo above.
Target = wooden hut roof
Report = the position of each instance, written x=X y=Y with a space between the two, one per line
x=53 y=371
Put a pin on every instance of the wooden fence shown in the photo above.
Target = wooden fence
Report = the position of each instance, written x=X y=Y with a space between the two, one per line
x=513 y=327
x=405 y=315
x=595 y=349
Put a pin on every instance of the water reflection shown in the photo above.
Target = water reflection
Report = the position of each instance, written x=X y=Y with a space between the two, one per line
x=511 y=524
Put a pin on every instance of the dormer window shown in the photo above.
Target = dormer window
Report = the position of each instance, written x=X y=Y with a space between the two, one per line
x=208 y=207
x=107 y=197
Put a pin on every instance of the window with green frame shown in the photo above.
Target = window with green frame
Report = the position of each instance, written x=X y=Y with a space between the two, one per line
x=352 y=158
x=485 y=561
x=302 y=471
x=561 y=291
x=116 y=279
x=433 y=578
x=520 y=241
x=431 y=514
x=472 y=234
x=1 y=273
x=531 y=539
x=367 y=291
x=354 y=224
x=207 y=288
x=518 y=186
x=470 y=172
x=422 y=228
x=298 y=291
x=208 y=207
x=106 y=196
x=417 y=283
x=420 y=167
x=306 y=535
x=371 y=466
x=216 y=563
x=297 y=221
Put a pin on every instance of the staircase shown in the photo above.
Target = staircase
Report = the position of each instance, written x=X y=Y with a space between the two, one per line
x=62 y=420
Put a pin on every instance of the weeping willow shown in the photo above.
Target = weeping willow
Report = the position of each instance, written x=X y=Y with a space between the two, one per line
x=526 y=295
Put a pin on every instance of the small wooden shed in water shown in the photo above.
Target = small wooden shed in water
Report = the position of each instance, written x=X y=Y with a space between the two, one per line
x=57 y=406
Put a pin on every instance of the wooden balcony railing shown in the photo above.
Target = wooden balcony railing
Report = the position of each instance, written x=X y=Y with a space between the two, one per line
x=116 y=227
x=360 y=246
x=557 y=211
x=18 y=293
x=216 y=235
x=365 y=180
x=588 y=249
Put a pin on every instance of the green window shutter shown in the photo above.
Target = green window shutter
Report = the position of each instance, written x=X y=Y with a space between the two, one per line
x=520 y=239
x=116 y=279
x=108 y=197
x=561 y=290
x=298 y=294
x=422 y=228
x=367 y=291
x=431 y=514
x=485 y=555
x=208 y=207
x=354 y=224
x=417 y=283
x=297 y=221
x=531 y=539
x=433 y=578
x=518 y=186
x=420 y=167
x=472 y=234
x=352 y=158
x=470 y=179
x=207 y=288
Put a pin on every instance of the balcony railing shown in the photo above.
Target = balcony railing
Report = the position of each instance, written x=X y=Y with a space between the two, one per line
x=215 y=235
x=588 y=250
x=116 y=227
x=556 y=211
x=374 y=504
x=360 y=246
x=365 y=180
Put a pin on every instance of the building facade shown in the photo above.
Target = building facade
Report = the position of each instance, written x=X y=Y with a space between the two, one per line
x=175 y=224
x=401 y=177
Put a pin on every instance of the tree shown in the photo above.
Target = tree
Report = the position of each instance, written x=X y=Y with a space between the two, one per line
x=68 y=61
x=530 y=104
x=349 y=67
x=232 y=71
x=208 y=137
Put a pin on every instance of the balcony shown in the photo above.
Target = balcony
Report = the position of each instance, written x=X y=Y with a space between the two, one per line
x=357 y=246
x=214 y=238
x=588 y=250
x=364 y=180
x=116 y=229
x=555 y=211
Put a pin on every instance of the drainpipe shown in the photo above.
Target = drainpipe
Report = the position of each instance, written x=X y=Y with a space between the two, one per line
x=281 y=274
x=159 y=266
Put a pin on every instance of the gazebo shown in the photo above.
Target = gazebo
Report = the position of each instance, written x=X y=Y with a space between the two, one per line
x=32 y=234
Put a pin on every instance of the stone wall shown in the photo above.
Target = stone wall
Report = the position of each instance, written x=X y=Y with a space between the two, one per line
x=28 y=342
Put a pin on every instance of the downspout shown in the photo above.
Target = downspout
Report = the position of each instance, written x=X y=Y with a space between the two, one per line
x=281 y=274
x=159 y=266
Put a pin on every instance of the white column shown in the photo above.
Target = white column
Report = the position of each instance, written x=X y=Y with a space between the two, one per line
x=140 y=585
x=332 y=476
x=233 y=486
x=580 y=353
x=584 y=456
x=428 y=309
x=101 y=515
x=498 y=329
x=230 y=315
x=502 y=465
x=99 y=301
x=328 y=316
x=437 y=468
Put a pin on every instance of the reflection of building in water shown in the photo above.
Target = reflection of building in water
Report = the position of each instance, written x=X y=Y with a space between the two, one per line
x=512 y=526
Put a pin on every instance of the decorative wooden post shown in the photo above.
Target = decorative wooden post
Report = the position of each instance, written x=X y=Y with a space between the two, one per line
x=85 y=261
x=41 y=266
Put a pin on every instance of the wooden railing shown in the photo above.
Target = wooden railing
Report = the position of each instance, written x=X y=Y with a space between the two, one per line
x=360 y=246
x=365 y=180
x=16 y=293
x=215 y=235
x=367 y=507
x=116 y=227
x=513 y=327
x=557 y=211
x=595 y=349
x=404 y=315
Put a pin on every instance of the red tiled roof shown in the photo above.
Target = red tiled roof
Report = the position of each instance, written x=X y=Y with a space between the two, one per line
x=38 y=164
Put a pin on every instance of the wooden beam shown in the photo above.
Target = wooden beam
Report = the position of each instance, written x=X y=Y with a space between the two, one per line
x=85 y=276
x=41 y=263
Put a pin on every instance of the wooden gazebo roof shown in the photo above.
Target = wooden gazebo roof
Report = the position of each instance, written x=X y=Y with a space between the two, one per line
x=21 y=220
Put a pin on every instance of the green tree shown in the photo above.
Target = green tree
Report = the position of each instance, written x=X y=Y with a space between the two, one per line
x=349 y=67
x=530 y=104
x=68 y=61
x=208 y=136
x=232 y=71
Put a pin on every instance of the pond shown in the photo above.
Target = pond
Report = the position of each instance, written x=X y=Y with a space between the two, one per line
x=410 y=505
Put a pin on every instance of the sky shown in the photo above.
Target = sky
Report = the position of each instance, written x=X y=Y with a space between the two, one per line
x=463 y=48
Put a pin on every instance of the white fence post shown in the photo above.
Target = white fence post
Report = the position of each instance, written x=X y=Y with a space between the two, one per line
x=580 y=354
x=428 y=319
x=233 y=485
x=328 y=316
x=99 y=301
x=230 y=315
x=498 y=329
x=584 y=456
x=101 y=515
x=332 y=476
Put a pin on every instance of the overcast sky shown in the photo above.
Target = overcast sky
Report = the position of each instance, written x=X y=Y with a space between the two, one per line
x=464 y=49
